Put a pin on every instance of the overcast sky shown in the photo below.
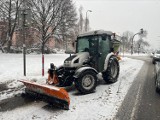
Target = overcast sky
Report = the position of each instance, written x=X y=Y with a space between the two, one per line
x=122 y=15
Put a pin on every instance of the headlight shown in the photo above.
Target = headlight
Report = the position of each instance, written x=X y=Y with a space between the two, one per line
x=67 y=63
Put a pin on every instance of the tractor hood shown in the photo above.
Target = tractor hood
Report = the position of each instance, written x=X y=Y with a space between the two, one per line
x=76 y=60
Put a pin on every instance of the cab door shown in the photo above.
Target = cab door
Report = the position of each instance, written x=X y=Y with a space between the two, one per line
x=104 y=50
x=93 y=50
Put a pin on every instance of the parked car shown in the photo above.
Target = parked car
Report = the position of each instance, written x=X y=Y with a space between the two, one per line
x=157 y=74
x=156 y=55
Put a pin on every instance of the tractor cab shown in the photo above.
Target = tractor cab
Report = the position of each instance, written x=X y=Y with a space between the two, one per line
x=98 y=44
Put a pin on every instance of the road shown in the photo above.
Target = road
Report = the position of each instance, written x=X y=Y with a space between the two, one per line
x=141 y=101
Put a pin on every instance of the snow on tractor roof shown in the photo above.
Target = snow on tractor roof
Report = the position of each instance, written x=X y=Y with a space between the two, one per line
x=96 y=32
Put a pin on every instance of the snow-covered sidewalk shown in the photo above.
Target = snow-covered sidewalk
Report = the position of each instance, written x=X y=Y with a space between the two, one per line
x=101 y=105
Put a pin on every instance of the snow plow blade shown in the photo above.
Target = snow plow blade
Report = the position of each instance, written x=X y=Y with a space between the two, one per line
x=49 y=93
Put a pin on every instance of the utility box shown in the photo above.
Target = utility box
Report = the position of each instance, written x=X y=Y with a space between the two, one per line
x=116 y=42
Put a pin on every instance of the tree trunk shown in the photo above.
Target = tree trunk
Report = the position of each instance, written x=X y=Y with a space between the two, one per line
x=9 y=27
x=9 y=45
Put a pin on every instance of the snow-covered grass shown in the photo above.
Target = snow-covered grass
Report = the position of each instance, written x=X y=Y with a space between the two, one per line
x=11 y=65
x=101 y=105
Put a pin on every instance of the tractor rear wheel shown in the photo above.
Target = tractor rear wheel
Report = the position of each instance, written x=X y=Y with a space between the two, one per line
x=87 y=82
x=112 y=72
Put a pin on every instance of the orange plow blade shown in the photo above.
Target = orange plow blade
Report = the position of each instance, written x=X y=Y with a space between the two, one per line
x=56 y=95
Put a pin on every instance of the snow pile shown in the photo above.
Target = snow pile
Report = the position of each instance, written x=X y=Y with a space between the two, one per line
x=103 y=104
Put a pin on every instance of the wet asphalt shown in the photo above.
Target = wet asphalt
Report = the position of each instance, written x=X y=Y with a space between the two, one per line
x=141 y=102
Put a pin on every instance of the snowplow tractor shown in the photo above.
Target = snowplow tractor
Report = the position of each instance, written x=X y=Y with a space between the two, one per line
x=95 y=53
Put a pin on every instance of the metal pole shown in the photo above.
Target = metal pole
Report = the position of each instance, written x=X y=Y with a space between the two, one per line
x=24 y=45
x=86 y=22
x=24 y=36
x=24 y=59
x=86 y=28
x=42 y=64
x=123 y=48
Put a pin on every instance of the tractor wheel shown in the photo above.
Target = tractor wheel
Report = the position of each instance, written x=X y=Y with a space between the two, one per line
x=112 y=72
x=87 y=82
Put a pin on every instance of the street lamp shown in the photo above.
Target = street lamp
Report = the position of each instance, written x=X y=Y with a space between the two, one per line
x=141 y=32
x=24 y=15
x=86 y=28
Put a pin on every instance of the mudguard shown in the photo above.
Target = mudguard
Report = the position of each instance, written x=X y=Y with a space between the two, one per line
x=107 y=59
x=82 y=69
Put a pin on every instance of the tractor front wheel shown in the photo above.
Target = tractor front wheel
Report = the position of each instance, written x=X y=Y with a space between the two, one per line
x=86 y=82
x=112 y=72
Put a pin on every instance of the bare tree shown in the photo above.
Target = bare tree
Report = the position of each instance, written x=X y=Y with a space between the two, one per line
x=68 y=24
x=3 y=33
x=143 y=43
x=9 y=11
x=140 y=44
x=49 y=16
x=127 y=38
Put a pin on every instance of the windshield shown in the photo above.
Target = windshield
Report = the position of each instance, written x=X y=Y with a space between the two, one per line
x=87 y=43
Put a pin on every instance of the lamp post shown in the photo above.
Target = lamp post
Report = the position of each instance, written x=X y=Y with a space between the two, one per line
x=86 y=27
x=24 y=16
x=24 y=41
x=141 y=32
